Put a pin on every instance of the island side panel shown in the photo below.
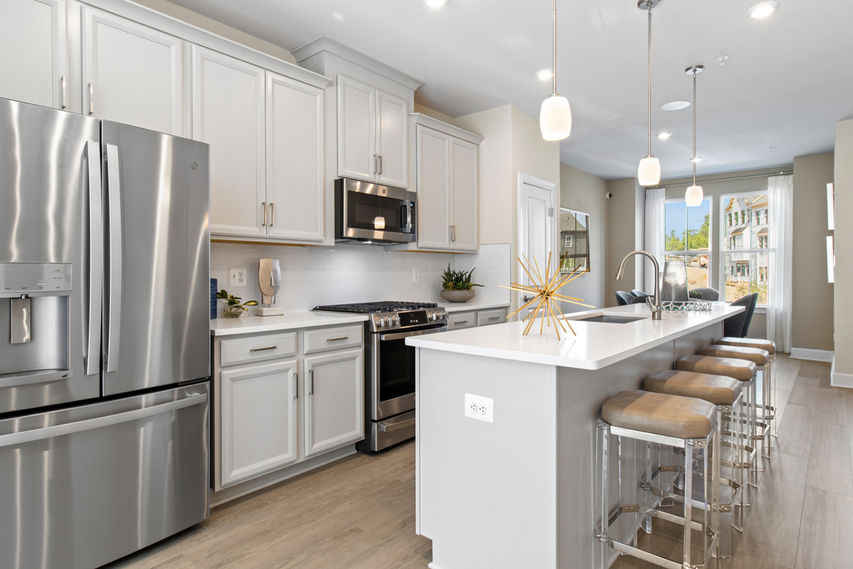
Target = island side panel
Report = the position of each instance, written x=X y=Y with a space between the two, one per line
x=581 y=394
x=688 y=344
x=487 y=491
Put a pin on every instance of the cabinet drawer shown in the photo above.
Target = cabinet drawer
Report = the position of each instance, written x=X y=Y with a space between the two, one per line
x=459 y=320
x=257 y=348
x=325 y=339
x=488 y=317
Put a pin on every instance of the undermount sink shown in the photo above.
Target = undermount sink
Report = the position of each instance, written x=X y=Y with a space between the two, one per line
x=609 y=319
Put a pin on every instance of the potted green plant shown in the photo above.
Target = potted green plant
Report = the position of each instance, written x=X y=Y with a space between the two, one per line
x=233 y=307
x=456 y=286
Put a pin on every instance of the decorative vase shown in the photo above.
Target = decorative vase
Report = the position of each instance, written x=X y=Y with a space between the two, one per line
x=232 y=312
x=457 y=295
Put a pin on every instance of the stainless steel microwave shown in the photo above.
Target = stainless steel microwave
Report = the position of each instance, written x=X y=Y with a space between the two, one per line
x=372 y=213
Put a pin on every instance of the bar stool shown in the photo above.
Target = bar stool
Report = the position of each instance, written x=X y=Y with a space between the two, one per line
x=761 y=358
x=744 y=371
x=768 y=383
x=725 y=393
x=680 y=422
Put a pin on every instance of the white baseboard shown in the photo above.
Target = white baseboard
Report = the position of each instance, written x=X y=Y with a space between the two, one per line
x=838 y=379
x=812 y=354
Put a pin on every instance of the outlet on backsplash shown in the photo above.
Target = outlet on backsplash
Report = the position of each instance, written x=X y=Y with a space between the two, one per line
x=237 y=277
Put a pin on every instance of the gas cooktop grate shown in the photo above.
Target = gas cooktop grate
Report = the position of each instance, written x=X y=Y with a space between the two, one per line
x=371 y=307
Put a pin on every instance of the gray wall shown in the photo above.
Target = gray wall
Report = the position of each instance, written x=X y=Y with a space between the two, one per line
x=583 y=191
x=811 y=322
x=620 y=212
x=843 y=364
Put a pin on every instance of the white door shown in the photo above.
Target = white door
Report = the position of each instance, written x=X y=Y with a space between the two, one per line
x=295 y=149
x=433 y=189
x=356 y=129
x=228 y=114
x=463 y=192
x=259 y=413
x=133 y=74
x=536 y=228
x=33 y=65
x=334 y=400
x=392 y=140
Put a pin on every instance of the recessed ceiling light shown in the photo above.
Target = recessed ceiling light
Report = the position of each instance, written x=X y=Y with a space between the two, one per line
x=544 y=75
x=722 y=60
x=338 y=16
x=664 y=135
x=435 y=4
x=675 y=105
x=762 y=10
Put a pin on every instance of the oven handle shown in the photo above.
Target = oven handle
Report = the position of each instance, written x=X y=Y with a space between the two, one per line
x=401 y=335
x=387 y=427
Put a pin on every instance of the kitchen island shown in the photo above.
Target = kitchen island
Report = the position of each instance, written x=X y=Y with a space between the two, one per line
x=505 y=478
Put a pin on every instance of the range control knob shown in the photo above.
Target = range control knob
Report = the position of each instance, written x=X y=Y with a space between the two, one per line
x=380 y=322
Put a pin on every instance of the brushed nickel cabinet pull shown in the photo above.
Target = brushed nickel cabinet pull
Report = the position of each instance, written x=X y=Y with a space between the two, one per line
x=272 y=214
x=264 y=208
x=91 y=99
x=253 y=350
x=311 y=382
x=341 y=339
x=296 y=385
x=64 y=92
x=379 y=156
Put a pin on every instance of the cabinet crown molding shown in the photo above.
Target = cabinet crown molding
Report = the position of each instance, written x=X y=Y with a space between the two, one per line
x=446 y=128
x=340 y=50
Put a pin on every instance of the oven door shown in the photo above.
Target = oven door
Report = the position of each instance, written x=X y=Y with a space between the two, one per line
x=369 y=212
x=392 y=372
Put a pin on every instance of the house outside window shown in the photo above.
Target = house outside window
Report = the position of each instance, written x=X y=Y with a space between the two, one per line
x=688 y=238
x=745 y=255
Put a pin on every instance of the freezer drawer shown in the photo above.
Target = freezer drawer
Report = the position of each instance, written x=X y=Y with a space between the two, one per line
x=84 y=486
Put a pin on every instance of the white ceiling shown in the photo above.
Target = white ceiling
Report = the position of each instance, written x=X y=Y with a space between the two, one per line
x=788 y=79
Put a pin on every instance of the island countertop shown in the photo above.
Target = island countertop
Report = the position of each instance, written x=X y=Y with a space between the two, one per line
x=597 y=344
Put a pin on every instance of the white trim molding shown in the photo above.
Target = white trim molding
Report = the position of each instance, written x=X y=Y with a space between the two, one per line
x=812 y=355
x=838 y=379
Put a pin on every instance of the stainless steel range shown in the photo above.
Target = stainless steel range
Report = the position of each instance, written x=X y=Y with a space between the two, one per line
x=390 y=373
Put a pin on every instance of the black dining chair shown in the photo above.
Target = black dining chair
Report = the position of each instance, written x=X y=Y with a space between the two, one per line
x=738 y=325
x=623 y=298
x=638 y=292
x=705 y=294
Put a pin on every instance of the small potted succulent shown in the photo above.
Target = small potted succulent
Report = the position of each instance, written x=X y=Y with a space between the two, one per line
x=456 y=286
x=233 y=307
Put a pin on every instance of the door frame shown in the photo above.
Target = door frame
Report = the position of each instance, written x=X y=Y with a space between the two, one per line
x=551 y=188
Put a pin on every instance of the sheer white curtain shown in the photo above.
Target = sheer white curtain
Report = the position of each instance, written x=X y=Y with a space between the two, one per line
x=654 y=237
x=780 y=199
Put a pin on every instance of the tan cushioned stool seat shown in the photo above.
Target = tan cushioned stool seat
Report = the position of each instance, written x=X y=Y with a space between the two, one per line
x=716 y=389
x=768 y=345
x=668 y=415
x=743 y=370
x=760 y=357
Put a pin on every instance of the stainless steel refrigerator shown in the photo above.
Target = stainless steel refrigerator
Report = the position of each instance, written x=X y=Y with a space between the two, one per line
x=104 y=341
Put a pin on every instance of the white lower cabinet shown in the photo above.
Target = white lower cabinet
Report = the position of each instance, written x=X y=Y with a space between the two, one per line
x=334 y=400
x=259 y=419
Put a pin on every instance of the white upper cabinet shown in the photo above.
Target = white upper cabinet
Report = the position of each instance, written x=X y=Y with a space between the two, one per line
x=392 y=147
x=133 y=74
x=372 y=134
x=33 y=64
x=447 y=176
x=295 y=159
x=228 y=114
x=433 y=189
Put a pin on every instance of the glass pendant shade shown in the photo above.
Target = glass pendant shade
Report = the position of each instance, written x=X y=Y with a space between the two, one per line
x=694 y=195
x=555 y=118
x=648 y=173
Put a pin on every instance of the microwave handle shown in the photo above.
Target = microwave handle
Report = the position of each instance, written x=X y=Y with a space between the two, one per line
x=409 y=207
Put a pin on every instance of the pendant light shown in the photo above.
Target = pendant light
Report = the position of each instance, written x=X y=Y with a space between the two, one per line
x=648 y=172
x=555 y=115
x=694 y=194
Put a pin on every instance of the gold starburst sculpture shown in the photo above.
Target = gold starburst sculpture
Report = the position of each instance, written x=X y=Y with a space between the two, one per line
x=544 y=287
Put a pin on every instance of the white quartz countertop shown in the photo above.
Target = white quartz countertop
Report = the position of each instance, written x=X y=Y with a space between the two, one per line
x=290 y=321
x=470 y=306
x=597 y=344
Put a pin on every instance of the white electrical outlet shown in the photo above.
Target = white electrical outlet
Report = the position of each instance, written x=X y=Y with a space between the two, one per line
x=237 y=277
x=415 y=275
x=479 y=408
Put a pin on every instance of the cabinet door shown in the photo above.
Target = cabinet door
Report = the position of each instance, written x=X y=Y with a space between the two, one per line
x=228 y=114
x=433 y=189
x=392 y=140
x=295 y=149
x=133 y=74
x=259 y=411
x=356 y=129
x=33 y=66
x=463 y=192
x=334 y=400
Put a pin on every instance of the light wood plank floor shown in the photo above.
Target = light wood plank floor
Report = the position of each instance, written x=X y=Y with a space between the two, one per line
x=359 y=512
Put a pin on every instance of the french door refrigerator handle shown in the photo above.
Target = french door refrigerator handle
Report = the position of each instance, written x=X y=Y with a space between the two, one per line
x=23 y=437
x=96 y=255
x=113 y=327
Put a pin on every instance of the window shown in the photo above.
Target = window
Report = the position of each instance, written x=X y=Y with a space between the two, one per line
x=688 y=238
x=746 y=256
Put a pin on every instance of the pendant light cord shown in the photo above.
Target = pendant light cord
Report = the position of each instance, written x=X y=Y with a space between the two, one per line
x=554 y=46
x=694 y=127
x=649 y=54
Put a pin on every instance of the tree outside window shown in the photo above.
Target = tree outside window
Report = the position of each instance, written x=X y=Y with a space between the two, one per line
x=688 y=238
